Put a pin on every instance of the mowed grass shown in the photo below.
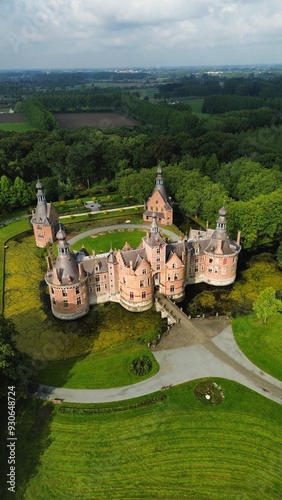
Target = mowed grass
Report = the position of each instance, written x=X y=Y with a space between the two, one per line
x=15 y=127
x=175 y=449
x=6 y=233
x=102 y=242
x=261 y=342
x=100 y=370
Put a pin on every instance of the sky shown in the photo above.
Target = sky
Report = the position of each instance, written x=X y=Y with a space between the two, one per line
x=47 y=34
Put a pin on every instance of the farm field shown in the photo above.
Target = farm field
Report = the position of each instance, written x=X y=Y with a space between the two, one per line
x=73 y=121
x=176 y=448
x=14 y=122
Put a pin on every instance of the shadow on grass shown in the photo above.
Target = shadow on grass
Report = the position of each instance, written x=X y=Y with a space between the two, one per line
x=33 y=432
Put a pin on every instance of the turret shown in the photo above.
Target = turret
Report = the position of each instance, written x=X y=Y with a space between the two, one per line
x=67 y=283
x=44 y=219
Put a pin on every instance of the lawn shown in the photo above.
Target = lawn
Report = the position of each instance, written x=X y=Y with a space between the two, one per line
x=101 y=370
x=107 y=239
x=261 y=342
x=7 y=232
x=174 y=449
x=15 y=127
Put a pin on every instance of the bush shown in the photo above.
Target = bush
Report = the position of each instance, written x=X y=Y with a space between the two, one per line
x=141 y=366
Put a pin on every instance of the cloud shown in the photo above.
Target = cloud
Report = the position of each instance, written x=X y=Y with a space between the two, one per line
x=114 y=31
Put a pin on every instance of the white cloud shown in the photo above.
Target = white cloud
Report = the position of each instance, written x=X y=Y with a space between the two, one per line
x=116 y=31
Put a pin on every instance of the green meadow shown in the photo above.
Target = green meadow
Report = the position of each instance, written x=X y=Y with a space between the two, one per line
x=172 y=449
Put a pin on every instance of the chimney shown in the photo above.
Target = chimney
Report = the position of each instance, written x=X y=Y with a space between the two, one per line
x=238 y=237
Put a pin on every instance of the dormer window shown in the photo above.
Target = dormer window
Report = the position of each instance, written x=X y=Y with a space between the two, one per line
x=144 y=271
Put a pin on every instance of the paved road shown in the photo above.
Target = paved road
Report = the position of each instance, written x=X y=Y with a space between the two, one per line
x=219 y=357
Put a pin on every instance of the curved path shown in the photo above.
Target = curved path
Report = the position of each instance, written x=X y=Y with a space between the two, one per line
x=201 y=352
x=114 y=227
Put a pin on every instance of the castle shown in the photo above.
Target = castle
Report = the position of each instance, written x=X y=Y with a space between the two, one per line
x=129 y=276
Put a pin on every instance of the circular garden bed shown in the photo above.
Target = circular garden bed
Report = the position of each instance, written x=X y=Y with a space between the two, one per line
x=209 y=393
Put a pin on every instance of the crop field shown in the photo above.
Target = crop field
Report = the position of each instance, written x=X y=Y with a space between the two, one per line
x=176 y=448
x=97 y=120
x=13 y=122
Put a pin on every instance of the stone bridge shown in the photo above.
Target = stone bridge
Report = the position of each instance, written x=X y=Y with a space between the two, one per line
x=167 y=308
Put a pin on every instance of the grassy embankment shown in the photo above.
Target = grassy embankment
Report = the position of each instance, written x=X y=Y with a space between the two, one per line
x=261 y=342
x=176 y=448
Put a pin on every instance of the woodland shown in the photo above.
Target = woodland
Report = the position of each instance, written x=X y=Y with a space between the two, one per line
x=229 y=153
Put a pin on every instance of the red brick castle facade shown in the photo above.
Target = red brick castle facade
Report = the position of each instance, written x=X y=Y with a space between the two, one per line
x=131 y=277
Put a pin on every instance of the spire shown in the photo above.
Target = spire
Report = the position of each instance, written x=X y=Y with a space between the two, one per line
x=61 y=236
x=159 y=178
x=154 y=225
x=41 y=208
x=221 y=221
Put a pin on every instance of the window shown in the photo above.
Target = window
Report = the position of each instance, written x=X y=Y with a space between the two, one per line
x=131 y=295
x=157 y=202
x=144 y=295
x=174 y=266
x=216 y=261
x=158 y=259
x=39 y=228
x=215 y=270
x=158 y=250
x=96 y=268
x=158 y=267
x=52 y=291
x=64 y=293
x=202 y=268
x=54 y=301
x=196 y=269
x=175 y=277
x=141 y=283
x=106 y=286
x=144 y=271
x=97 y=278
x=152 y=209
x=210 y=260
x=124 y=281
x=77 y=290
x=168 y=277
x=223 y=271
x=78 y=301
x=210 y=269
x=171 y=288
x=66 y=303
x=91 y=289
x=98 y=288
x=197 y=260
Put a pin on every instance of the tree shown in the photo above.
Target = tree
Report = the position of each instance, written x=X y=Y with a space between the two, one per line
x=14 y=365
x=267 y=304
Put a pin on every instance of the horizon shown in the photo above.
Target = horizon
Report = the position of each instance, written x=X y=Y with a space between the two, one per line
x=68 y=34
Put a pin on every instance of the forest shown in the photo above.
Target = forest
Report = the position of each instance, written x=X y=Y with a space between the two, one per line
x=230 y=153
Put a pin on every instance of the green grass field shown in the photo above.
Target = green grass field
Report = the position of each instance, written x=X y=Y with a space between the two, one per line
x=261 y=342
x=101 y=370
x=115 y=239
x=175 y=449
x=7 y=232
x=15 y=127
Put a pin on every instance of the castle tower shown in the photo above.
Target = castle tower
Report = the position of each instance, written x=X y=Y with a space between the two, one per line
x=44 y=219
x=67 y=282
x=214 y=257
x=159 y=202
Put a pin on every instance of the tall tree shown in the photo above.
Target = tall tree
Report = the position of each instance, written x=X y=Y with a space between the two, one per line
x=267 y=304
